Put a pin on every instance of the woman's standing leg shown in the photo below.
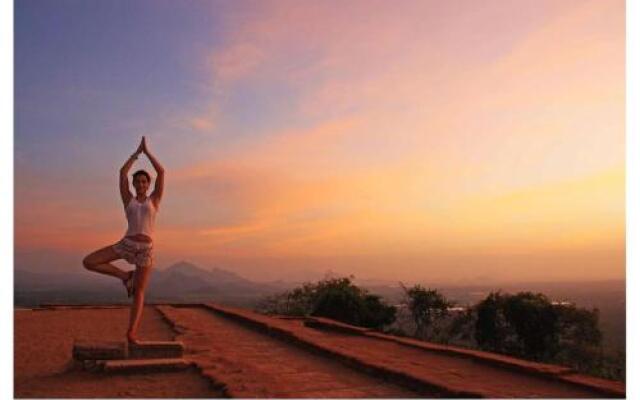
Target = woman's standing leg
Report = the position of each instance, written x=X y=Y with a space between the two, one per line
x=99 y=261
x=140 y=283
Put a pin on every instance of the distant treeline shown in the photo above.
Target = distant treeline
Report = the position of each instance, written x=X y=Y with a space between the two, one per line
x=526 y=325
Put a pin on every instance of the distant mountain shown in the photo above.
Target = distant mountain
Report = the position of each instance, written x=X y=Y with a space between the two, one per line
x=214 y=275
x=187 y=279
x=183 y=281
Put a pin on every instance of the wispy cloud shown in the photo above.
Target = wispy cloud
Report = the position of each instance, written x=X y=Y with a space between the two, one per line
x=375 y=129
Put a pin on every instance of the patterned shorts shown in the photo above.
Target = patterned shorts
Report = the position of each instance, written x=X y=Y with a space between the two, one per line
x=137 y=253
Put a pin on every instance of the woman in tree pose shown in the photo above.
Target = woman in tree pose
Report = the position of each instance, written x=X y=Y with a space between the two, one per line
x=136 y=247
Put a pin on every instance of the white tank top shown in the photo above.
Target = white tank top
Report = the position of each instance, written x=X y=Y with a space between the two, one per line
x=141 y=217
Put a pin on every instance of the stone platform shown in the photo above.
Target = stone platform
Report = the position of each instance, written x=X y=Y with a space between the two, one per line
x=116 y=356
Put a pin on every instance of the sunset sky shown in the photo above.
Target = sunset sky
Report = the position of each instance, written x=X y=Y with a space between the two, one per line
x=435 y=141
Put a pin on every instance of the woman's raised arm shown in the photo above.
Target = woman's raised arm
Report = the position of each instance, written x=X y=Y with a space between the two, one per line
x=125 y=193
x=158 y=189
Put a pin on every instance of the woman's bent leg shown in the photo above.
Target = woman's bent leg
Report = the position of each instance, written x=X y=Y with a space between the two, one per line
x=140 y=284
x=99 y=261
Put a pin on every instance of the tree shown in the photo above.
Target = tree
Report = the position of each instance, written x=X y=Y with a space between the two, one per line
x=461 y=328
x=529 y=325
x=335 y=298
x=339 y=299
x=535 y=322
x=491 y=329
x=376 y=312
x=426 y=306
x=296 y=302
x=580 y=339
x=579 y=325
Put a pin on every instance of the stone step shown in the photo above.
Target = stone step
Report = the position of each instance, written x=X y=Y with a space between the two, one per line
x=98 y=350
x=156 y=349
x=113 y=350
x=139 y=365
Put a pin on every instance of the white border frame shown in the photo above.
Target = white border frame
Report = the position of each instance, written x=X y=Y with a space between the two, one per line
x=6 y=200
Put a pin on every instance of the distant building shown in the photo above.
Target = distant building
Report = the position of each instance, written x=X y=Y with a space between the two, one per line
x=562 y=303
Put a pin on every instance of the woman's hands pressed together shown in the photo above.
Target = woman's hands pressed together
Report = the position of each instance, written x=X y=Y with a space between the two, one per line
x=145 y=150
x=142 y=148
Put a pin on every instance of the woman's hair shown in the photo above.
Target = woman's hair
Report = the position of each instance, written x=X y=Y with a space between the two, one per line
x=142 y=172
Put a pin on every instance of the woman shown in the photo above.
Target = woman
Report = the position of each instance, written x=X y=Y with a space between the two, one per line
x=136 y=247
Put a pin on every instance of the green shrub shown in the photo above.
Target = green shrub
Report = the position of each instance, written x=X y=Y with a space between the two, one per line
x=426 y=306
x=335 y=298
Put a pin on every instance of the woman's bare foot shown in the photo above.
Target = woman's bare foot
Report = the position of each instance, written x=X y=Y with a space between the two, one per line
x=128 y=283
x=131 y=338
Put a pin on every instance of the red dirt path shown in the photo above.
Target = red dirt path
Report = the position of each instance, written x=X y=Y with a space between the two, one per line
x=452 y=373
x=252 y=364
x=43 y=341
